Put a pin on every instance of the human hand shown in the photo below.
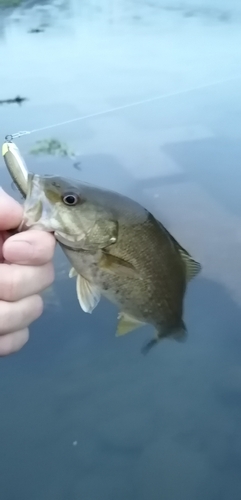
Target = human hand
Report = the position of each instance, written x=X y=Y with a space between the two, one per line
x=25 y=271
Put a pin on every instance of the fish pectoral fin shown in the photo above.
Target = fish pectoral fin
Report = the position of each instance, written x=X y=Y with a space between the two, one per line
x=72 y=272
x=88 y=294
x=178 y=334
x=126 y=324
x=118 y=266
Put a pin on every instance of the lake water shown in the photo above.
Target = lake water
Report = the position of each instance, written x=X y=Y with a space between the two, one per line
x=83 y=415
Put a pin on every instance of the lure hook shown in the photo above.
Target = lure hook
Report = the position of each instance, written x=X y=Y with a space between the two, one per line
x=9 y=138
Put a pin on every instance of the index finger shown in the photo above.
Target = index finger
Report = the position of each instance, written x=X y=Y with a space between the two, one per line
x=11 y=212
x=32 y=248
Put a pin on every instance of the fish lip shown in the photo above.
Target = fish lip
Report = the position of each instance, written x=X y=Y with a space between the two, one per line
x=36 y=208
x=24 y=226
x=69 y=241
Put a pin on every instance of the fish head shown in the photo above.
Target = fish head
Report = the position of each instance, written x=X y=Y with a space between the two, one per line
x=70 y=210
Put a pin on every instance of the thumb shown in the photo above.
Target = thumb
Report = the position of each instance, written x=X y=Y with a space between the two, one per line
x=11 y=212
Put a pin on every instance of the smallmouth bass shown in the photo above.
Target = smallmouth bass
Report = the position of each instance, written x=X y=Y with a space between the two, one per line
x=117 y=249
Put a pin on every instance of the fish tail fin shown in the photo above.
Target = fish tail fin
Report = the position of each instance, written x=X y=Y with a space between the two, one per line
x=148 y=346
x=178 y=333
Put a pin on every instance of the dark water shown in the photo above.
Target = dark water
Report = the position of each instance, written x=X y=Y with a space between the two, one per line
x=82 y=414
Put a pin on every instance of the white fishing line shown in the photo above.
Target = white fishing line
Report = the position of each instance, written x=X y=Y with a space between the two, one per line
x=126 y=106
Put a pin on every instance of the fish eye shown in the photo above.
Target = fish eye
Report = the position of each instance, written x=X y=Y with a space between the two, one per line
x=70 y=199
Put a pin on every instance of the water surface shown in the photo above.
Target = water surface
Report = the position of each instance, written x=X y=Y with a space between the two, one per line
x=83 y=414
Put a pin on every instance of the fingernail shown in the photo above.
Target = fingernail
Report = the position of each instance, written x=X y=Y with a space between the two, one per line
x=19 y=252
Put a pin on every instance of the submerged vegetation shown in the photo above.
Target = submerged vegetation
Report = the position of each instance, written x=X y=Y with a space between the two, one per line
x=197 y=11
x=10 y=3
x=54 y=147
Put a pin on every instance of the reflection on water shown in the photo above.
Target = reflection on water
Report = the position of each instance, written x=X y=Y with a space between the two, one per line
x=83 y=414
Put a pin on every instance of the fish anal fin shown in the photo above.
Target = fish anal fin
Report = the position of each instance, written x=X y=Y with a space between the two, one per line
x=127 y=324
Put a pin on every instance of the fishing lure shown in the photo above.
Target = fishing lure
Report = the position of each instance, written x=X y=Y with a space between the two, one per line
x=15 y=165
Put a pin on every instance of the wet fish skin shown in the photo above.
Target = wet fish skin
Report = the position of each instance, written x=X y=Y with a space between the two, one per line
x=117 y=249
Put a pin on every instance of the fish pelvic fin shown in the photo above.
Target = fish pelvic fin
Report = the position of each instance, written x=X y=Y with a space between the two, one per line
x=127 y=324
x=88 y=294
x=179 y=334
x=72 y=272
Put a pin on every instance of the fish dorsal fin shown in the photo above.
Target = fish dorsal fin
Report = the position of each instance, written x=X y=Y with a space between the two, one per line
x=192 y=266
x=88 y=294
x=126 y=324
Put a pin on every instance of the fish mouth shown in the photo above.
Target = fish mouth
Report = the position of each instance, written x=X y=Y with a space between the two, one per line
x=37 y=210
x=38 y=215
